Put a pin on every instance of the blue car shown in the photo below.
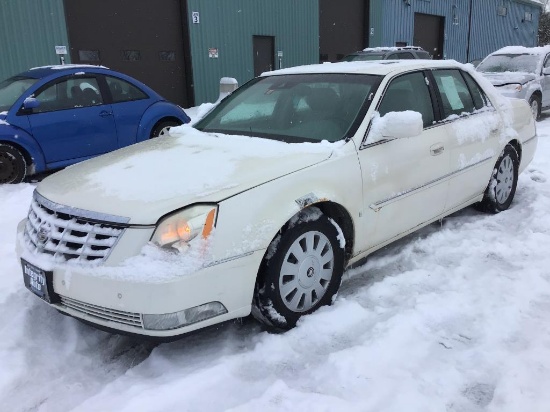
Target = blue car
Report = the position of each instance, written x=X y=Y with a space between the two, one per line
x=54 y=116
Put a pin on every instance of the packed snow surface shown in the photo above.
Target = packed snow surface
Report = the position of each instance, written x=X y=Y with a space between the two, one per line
x=454 y=318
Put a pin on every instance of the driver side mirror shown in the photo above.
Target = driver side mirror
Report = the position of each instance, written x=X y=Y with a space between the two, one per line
x=30 y=103
x=401 y=125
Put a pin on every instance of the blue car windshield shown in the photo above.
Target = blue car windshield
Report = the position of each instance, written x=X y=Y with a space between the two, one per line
x=11 y=89
x=295 y=108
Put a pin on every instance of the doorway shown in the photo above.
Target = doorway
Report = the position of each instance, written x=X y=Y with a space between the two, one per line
x=429 y=33
x=264 y=54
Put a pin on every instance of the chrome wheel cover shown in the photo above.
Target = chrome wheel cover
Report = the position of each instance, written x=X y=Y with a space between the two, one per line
x=306 y=271
x=164 y=131
x=505 y=179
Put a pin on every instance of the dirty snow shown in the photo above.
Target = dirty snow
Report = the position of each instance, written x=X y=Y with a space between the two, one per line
x=454 y=318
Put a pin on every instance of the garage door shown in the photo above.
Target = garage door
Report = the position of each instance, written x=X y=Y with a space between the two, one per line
x=141 y=38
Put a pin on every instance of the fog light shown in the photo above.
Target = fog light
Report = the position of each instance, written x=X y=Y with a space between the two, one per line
x=185 y=317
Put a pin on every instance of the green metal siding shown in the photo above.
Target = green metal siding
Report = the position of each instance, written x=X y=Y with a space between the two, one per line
x=29 y=32
x=229 y=25
x=375 y=23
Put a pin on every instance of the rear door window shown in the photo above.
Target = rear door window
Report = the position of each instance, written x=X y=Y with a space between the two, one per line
x=455 y=95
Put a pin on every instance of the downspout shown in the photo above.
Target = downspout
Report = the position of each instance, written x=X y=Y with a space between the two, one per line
x=469 y=33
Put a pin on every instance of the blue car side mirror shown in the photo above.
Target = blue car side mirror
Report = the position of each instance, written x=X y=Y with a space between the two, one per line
x=30 y=103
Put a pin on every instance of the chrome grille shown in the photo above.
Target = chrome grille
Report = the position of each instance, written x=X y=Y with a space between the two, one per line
x=53 y=230
x=99 y=312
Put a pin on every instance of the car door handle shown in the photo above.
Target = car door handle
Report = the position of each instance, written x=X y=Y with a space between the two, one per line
x=437 y=149
x=105 y=113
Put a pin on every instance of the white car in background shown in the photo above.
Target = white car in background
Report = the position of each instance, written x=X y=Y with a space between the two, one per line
x=521 y=72
x=260 y=208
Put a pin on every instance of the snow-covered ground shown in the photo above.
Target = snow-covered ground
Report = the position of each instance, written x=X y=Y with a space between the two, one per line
x=453 y=318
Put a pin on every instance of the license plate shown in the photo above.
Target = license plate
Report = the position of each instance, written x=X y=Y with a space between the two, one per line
x=37 y=280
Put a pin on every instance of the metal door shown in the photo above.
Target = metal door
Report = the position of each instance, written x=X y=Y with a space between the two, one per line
x=264 y=54
x=429 y=34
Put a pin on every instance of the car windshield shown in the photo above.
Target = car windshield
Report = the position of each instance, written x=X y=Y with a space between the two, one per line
x=362 y=57
x=499 y=63
x=295 y=108
x=11 y=89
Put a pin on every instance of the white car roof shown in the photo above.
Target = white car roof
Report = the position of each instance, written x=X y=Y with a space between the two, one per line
x=523 y=50
x=376 y=67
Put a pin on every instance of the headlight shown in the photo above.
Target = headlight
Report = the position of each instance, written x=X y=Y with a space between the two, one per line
x=180 y=228
x=515 y=87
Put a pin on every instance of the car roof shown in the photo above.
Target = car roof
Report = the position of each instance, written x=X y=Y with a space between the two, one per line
x=543 y=50
x=376 y=67
x=45 y=71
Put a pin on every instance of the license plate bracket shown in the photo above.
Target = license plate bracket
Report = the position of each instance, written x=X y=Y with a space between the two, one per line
x=39 y=281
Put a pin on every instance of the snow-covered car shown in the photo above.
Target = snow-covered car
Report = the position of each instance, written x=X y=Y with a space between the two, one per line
x=388 y=53
x=262 y=205
x=521 y=72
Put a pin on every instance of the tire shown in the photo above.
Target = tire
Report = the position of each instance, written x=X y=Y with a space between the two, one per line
x=162 y=128
x=535 y=103
x=502 y=185
x=13 y=167
x=301 y=271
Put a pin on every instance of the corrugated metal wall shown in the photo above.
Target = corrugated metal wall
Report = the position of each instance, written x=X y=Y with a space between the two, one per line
x=29 y=32
x=489 y=31
x=229 y=25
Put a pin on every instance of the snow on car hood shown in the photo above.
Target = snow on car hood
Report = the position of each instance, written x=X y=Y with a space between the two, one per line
x=500 y=79
x=148 y=180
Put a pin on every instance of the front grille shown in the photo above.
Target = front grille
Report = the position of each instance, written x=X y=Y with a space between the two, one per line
x=99 y=312
x=60 y=232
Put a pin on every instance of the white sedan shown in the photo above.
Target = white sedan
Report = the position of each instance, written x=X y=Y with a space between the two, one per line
x=263 y=204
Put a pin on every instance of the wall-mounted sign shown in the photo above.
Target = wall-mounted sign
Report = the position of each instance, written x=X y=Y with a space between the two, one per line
x=213 y=53
x=196 y=18
x=280 y=53
x=60 y=49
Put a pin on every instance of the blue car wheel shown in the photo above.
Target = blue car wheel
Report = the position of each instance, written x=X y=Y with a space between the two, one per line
x=13 y=167
x=162 y=128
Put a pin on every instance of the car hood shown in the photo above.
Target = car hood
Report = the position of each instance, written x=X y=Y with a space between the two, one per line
x=500 y=79
x=148 y=180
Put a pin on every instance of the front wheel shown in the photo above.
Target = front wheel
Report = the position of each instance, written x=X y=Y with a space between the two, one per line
x=535 y=103
x=502 y=185
x=13 y=166
x=162 y=128
x=301 y=272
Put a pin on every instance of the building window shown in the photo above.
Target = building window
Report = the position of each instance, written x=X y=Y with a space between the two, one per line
x=528 y=16
x=502 y=11
x=88 y=55
x=167 y=56
x=131 y=55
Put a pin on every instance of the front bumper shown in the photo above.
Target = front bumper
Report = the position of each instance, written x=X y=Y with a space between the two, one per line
x=119 y=304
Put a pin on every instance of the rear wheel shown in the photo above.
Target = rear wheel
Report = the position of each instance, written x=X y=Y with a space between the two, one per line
x=301 y=272
x=535 y=103
x=13 y=166
x=162 y=128
x=502 y=185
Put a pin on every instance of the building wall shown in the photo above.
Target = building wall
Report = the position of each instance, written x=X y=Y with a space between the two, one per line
x=392 y=21
x=229 y=25
x=511 y=29
x=29 y=32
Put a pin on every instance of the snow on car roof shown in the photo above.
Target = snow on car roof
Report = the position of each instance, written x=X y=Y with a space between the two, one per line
x=378 y=67
x=68 y=66
x=391 y=48
x=523 y=50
